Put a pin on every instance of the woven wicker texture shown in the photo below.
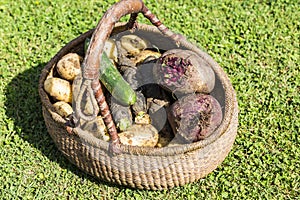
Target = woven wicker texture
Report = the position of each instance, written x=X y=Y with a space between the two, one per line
x=145 y=167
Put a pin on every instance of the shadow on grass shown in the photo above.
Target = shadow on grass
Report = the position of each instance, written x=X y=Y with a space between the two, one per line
x=23 y=106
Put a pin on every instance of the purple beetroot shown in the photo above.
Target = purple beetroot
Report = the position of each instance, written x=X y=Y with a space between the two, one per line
x=184 y=71
x=195 y=116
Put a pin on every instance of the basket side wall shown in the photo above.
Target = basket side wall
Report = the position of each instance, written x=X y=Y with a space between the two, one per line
x=142 y=172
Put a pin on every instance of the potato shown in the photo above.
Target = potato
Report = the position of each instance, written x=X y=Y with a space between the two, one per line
x=68 y=67
x=133 y=44
x=58 y=88
x=140 y=135
x=63 y=109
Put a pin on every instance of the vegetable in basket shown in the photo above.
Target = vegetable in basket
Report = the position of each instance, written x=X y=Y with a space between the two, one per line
x=195 y=116
x=59 y=89
x=131 y=77
x=68 y=67
x=121 y=114
x=63 y=109
x=140 y=135
x=133 y=44
x=113 y=81
x=146 y=56
x=183 y=71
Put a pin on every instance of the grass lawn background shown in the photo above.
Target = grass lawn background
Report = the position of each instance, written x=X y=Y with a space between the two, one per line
x=257 y=44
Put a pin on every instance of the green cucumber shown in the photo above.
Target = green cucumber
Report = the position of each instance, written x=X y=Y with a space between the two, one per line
x=113 y=81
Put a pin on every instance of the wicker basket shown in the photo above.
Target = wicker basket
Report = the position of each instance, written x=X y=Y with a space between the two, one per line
x=140 y=167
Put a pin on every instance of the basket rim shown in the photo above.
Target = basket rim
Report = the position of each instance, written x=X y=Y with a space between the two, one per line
x=89 y=139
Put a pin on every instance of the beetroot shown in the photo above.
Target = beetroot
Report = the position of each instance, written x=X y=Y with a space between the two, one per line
x=195 y=116
x=183 y=71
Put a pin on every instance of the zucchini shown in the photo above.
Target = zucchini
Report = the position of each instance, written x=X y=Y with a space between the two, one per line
x=114 y=82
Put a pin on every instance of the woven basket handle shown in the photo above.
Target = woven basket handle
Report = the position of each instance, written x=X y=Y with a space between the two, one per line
x=104 y=28
x=92 y=60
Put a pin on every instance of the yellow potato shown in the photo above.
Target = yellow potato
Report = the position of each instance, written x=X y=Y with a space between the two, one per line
x=68 y=67
x=59 y=88
x=140 y=135
x=63 y=109
x=133 y=44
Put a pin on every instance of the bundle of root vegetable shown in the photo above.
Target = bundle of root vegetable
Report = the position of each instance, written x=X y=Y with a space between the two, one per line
x=156 y=97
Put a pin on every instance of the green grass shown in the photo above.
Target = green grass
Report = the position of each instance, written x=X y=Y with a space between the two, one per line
x=257 y=44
